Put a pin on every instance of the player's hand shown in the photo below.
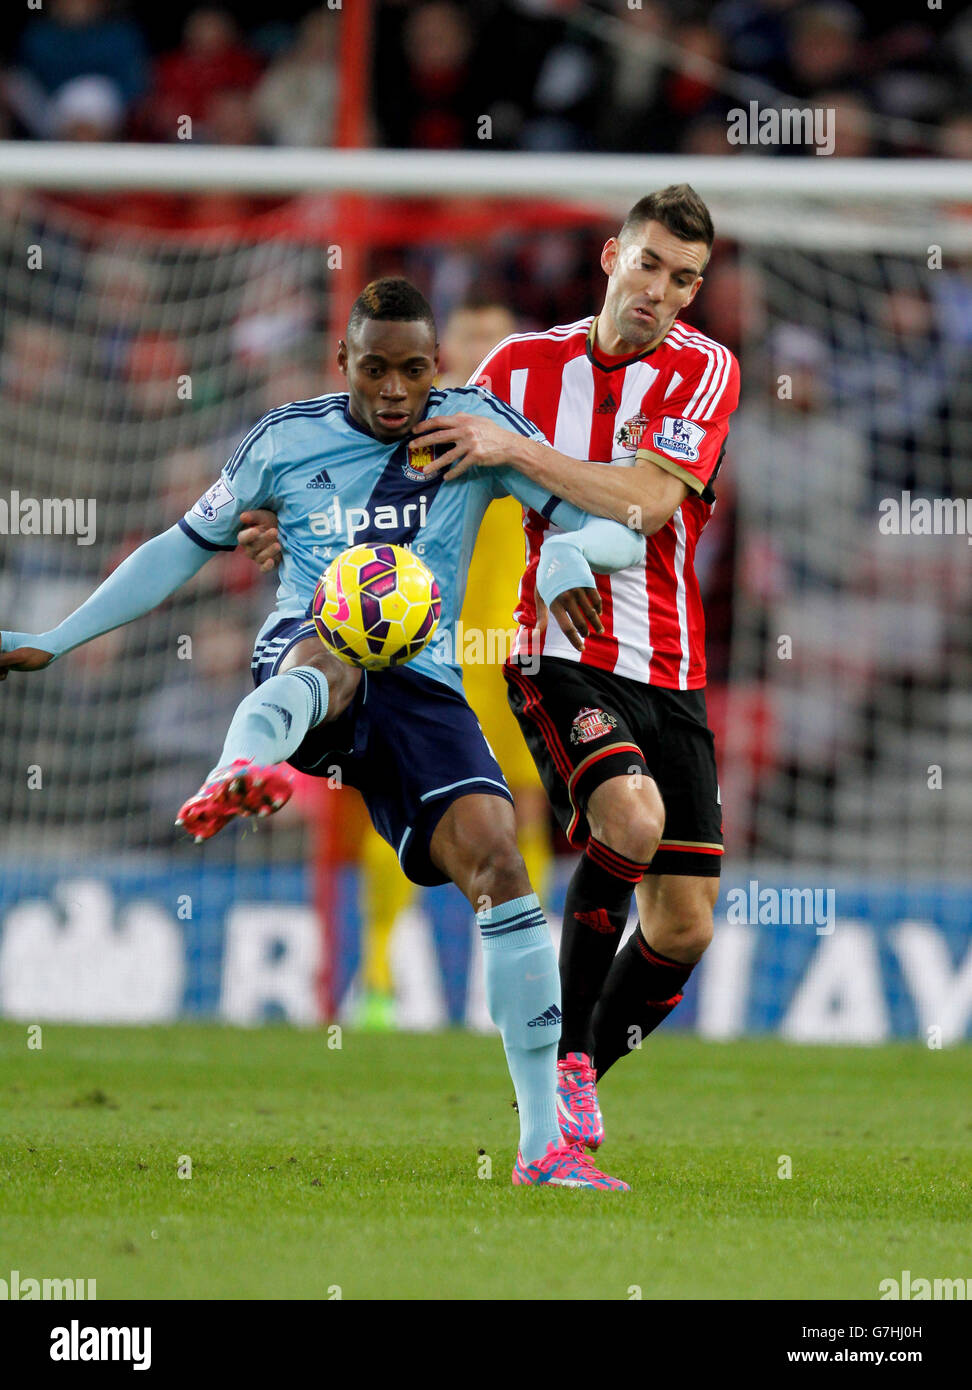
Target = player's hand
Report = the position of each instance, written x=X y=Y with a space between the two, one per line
x=476 y=443
x=24 y=659
x=260 y=540
x=577 y=612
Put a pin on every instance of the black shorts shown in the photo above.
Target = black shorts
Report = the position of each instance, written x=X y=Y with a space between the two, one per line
x=411 y=745
x=584 y=726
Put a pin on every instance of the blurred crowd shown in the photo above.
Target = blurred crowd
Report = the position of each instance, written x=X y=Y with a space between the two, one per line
x=650 y=76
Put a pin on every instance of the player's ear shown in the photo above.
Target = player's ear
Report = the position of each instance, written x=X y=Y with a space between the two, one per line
x=609 y=255
x=693 y=292
x=342 y=357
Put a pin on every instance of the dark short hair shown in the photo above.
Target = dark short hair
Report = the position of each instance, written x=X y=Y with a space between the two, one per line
x=391 y=298
x=679 y=209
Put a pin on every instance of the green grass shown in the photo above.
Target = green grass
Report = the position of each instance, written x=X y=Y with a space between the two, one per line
x=357 y=1167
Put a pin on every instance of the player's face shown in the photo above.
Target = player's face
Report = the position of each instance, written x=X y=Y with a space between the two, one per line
x=390 y=367
x=469 y=335
x=652 y=276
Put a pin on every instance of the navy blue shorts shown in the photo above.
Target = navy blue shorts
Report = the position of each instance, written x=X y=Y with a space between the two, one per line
x=411 y=745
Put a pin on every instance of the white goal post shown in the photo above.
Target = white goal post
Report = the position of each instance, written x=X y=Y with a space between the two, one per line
x=774 y=197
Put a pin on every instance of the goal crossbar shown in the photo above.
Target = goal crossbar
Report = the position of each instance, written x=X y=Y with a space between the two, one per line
x=187 y=167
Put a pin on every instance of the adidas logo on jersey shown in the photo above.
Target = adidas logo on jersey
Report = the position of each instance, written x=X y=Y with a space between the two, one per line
x=608 y=406
x=323 y=481
x=546 y=1019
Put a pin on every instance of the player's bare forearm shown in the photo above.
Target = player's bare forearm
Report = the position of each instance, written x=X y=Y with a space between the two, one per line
x=642 y=496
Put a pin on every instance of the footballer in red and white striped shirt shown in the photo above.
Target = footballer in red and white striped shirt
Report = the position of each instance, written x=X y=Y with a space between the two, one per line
x=636 y=406
x=669 y=405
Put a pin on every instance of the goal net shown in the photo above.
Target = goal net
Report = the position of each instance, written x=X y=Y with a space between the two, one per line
x=837 y=571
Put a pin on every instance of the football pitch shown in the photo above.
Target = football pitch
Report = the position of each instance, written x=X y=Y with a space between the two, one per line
x=319 y=1171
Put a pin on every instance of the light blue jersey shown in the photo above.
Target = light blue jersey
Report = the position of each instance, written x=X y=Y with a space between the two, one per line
x=332 y=485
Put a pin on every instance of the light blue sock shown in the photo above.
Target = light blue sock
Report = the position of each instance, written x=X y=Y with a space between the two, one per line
x=272 y=722
x=523 y=995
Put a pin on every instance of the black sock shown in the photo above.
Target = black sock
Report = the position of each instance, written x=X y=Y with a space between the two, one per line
x=595 y=915
x=641 y=990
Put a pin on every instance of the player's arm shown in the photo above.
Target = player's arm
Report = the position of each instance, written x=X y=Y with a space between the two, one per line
x=140 y=583
x=159 y=567
x=642 y=494
x=569 y=559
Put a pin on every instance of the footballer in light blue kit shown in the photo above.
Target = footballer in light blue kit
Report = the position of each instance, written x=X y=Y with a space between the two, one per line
x=341 y=470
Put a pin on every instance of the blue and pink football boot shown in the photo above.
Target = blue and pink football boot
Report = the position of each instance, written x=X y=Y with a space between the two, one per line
x=577 y=1108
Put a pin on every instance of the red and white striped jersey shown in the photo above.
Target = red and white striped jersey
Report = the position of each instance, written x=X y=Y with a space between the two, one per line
x=671 y=405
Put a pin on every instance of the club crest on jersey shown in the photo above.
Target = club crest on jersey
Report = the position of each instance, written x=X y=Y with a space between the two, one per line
x=590 y=724
x=629 y=434
x=219 y=495
x=680 y=438
x=420 y=456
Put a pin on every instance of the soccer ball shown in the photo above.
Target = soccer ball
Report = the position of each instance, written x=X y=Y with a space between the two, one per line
x=376 y=605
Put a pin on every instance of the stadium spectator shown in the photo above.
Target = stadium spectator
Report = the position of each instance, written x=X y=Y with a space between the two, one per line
x=277 y=314
x=549 y=74
x=756 y=36
x=428 y=92
x=87 y=108
x=155 y=365
x=795 y=457
x=634 y=82
x=685 y=93
x=911 y=82
x=854 y=126
x=35 y=362
x=707 y=135
x=79 y=38
x=122 y=285
x=896 y=381
x=823 y=48
x=188 y=711
x=694 y=90
x=212 y=60
x=232 y=120
x=955 y=136
x=295 y=100
x=566 y=93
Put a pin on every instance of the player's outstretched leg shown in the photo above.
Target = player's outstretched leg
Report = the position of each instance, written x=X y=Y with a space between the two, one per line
x=475 y=844
x=251 y=777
